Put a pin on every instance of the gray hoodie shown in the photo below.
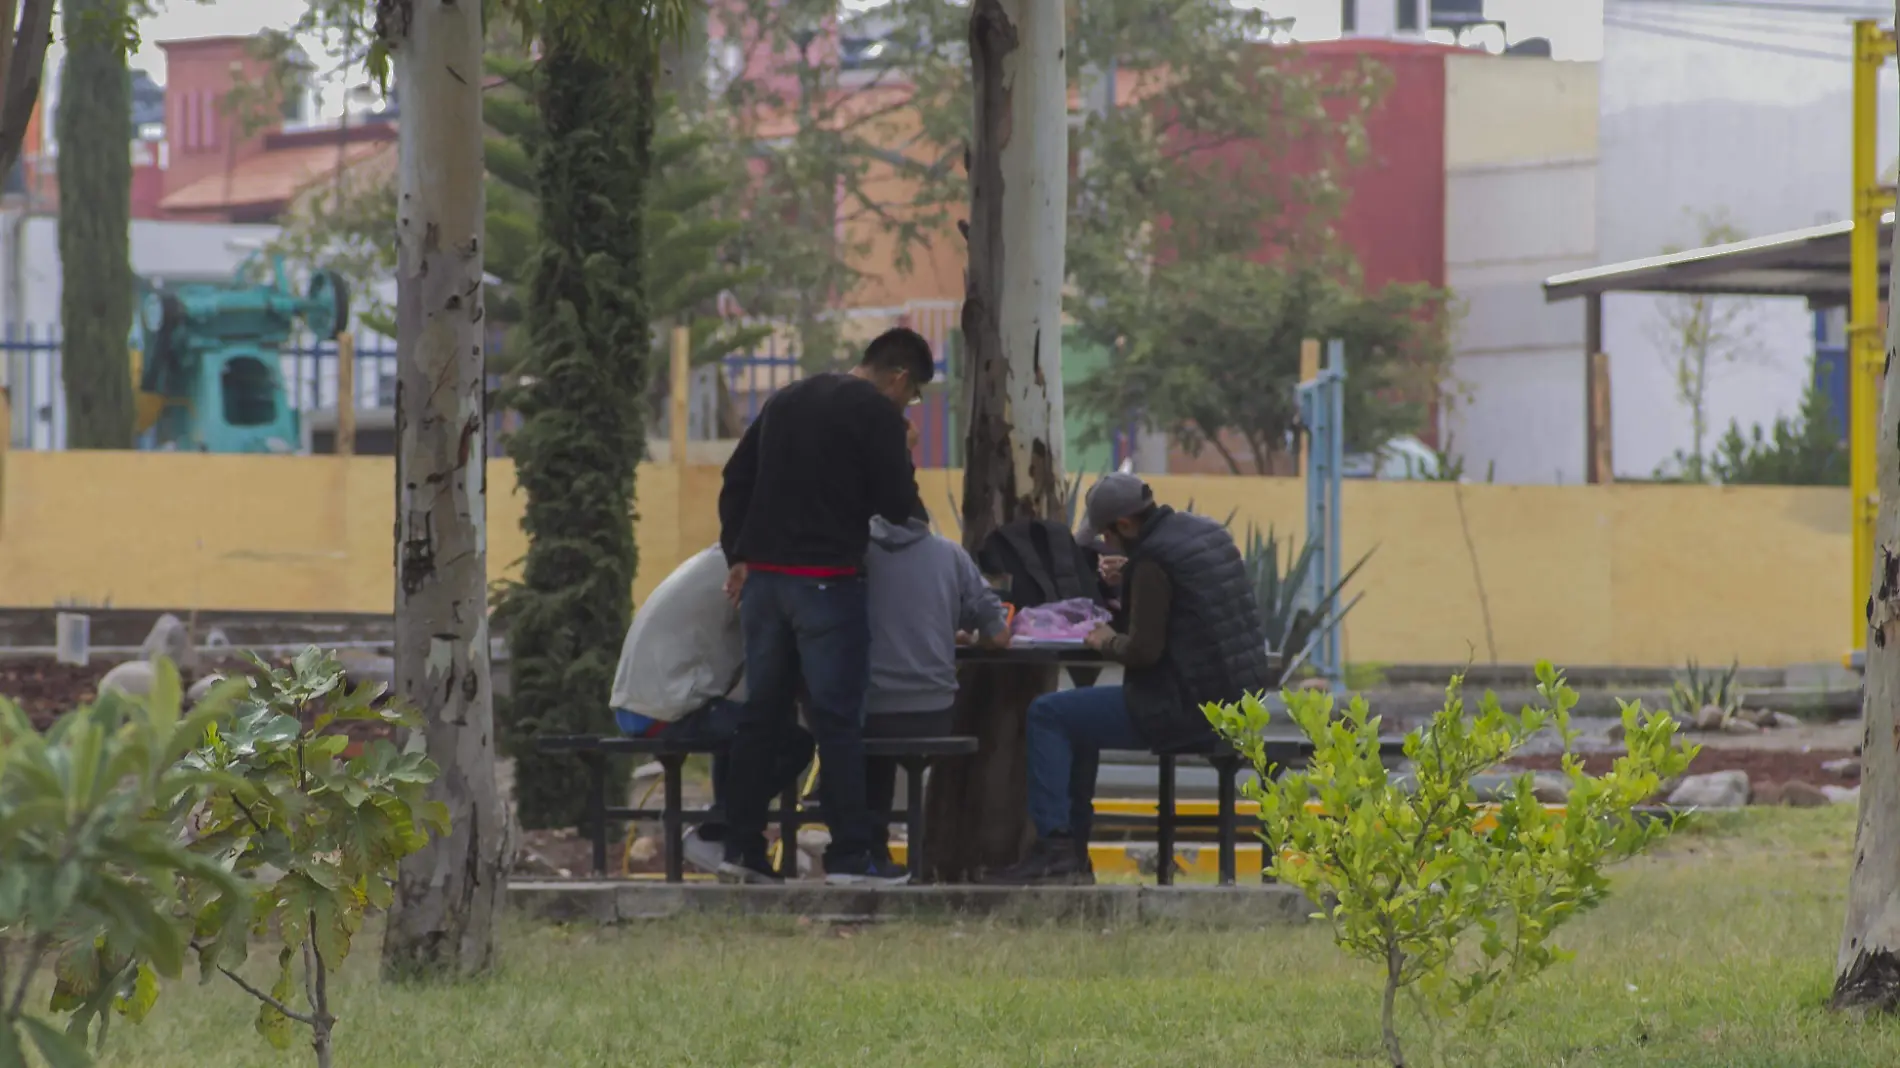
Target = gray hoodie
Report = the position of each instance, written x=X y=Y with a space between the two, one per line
x=923 y=589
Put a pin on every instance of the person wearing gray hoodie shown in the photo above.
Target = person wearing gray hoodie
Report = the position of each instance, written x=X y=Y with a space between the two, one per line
x=926 y=596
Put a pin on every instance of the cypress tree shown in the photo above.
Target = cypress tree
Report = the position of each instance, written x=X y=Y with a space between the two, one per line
x=97 y=290
x=584 y=421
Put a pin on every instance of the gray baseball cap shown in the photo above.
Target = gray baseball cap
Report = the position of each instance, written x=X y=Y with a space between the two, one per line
x=1114 y=496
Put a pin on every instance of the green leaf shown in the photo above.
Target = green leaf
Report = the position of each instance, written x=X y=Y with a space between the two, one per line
x=59 y=1050
x=11 y=1056
x=270 y=1023
x=144 y=995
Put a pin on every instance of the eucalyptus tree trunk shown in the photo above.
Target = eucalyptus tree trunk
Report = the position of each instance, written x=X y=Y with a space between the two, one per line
x=449 y=894
x=1012 y=331
x=1867 y=969
x=95 y=234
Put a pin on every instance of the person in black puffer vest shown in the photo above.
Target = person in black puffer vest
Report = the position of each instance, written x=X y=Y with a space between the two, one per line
x=1193 y=636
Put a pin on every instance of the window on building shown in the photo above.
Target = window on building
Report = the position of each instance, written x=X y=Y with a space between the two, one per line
x=1348 y=16
x=1408 y=14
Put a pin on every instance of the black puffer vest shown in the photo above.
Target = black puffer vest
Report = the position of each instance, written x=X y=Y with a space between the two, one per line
x=1216 y=649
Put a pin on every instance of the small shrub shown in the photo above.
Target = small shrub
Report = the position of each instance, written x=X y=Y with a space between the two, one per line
x=133 y=832
x=93 y=865
x=1452 y=913
x=317 y=837
x=1693 y=690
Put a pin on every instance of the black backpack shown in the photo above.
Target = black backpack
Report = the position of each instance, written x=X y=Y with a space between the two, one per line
x=1042 y=562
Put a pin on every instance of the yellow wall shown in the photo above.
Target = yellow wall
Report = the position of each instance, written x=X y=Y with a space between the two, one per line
x=1627 y=574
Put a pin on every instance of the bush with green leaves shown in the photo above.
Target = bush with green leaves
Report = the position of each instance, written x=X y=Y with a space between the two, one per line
x=96 y=878
x=1455 y=901
x=133 y=833
x=316 y=834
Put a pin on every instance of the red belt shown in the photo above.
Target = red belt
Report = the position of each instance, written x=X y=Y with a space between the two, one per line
x=806 y=572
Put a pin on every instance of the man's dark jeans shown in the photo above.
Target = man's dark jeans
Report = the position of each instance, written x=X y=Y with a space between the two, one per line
x=718 y=724
x=880 y=773
x=816 y=631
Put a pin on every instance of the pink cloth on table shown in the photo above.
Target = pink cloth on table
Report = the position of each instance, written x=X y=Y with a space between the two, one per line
x=1063 y=621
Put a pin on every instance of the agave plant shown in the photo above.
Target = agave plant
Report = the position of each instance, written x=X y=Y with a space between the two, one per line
x=1291 y=625
x=1693 y=690
x=1071 y=504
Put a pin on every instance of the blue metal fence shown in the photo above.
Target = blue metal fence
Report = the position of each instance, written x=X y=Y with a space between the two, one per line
x=38 y=395
x=752 y=378
x=37 y=390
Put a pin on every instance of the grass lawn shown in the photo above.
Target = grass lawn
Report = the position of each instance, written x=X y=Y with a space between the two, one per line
x=1719 y=951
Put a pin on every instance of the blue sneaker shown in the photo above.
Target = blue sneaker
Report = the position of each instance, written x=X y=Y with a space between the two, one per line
x=865 y=871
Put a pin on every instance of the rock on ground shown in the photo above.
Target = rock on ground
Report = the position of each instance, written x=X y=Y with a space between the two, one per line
x=1721 y=789
x=1846 y=767
x=1841 y=795
x=1799 y=794
x=133 y=678
x=169 y=638
x=1710 y=718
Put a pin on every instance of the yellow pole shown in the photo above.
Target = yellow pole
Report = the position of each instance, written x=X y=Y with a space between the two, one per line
x=679 y=404
x=6 y=442
x=345 y=394
x=1872 y=49
x=1309 y=370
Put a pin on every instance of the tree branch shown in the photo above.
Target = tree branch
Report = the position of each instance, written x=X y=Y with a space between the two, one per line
x=24 y=67
x=33 y=958
x=293 y=1014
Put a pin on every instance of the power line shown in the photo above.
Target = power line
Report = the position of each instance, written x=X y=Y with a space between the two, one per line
x=1754 y=25
x=1790 y=7
x=1752 y=46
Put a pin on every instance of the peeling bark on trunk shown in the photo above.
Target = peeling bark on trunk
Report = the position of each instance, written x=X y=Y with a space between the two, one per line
x=1867 y=969
x=1012 y=330
x=449 y=894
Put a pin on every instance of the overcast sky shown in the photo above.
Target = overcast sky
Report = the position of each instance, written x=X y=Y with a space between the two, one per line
x=1574 y=26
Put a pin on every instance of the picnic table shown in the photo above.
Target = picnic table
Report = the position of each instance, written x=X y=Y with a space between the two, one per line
x=1078 y=666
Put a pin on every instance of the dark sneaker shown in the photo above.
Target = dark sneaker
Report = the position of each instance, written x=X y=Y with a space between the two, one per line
x=1053 y=861
x=748 y=873
x=865 y=871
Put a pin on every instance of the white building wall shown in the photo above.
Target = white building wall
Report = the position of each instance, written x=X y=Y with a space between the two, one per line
x=1737 y=114
x=1520 y=205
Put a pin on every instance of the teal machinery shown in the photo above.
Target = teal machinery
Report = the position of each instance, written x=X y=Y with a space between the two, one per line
x=210 y=371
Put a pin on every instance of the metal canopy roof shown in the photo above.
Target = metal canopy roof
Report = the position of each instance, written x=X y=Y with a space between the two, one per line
x=1811 y=263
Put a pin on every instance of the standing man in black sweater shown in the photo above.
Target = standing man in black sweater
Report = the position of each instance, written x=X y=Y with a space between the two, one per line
x=824 y=456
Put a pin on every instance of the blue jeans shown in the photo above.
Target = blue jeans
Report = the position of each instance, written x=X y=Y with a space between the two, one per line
x=816 y=631
x=1067 y=732
x=717 y=724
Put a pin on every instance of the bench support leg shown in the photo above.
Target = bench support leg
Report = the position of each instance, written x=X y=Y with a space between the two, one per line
x=597 y=807
x=914 y=814
x=1225 y=767
x=788 y=821
x=671 y=822
x=1164 y=823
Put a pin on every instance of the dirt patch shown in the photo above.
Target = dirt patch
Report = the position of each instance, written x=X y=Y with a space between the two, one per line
x=1762 y=765
x=45 y=689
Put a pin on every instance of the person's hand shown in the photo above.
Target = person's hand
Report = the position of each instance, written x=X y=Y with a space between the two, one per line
x=1110 y=569
x=735 y=583
x=964 y=637
x=1099 y=638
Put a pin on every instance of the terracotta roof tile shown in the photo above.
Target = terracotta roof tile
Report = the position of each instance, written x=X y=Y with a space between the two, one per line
x=271 y=177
